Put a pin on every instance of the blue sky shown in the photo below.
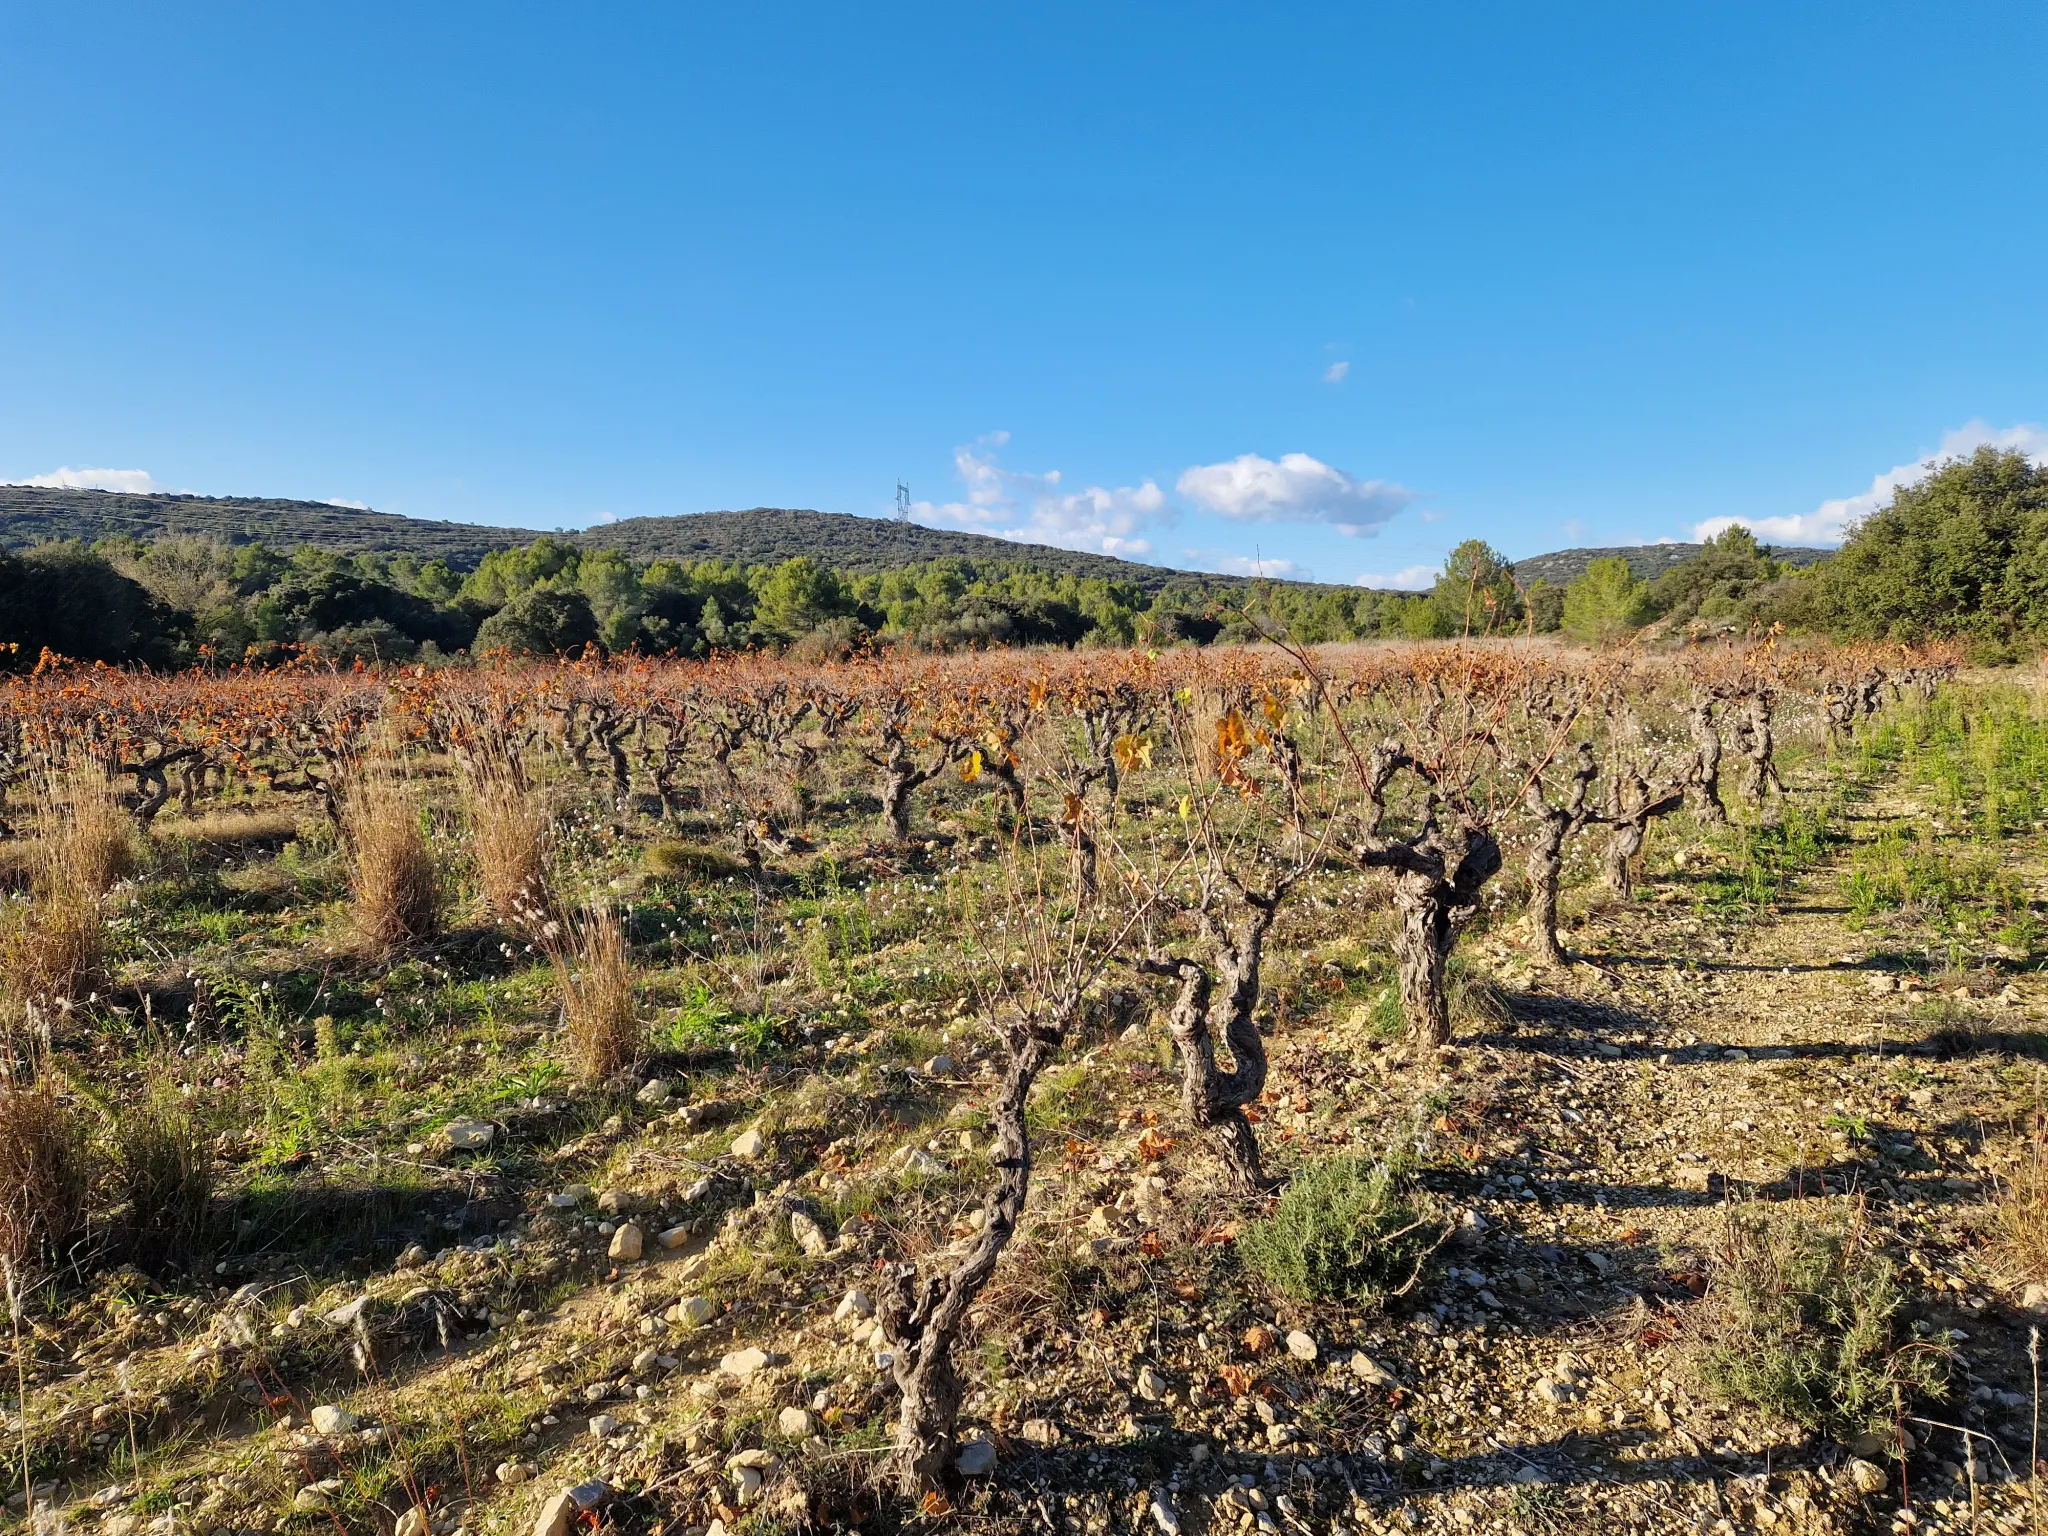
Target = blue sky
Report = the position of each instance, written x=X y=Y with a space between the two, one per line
x=1328 y=287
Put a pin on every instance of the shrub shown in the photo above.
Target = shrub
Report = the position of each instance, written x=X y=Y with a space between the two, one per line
x=1349 y=1230
x=691 y=861
x=164 y=1160
x=392 y=879
x=596 y=979
x=1805 y=1324
x=44 y=1177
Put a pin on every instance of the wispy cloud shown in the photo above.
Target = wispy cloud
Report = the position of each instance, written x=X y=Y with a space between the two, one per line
x=1827 y=523
x=1337 y=372
x=353 y=506
x=1294 y=488
x=1413 y=578
x=1014 y=504
x=1226 y=564
x=136 y=482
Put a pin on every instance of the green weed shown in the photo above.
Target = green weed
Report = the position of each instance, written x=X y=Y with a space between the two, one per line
x=1350 y=1230
x=1807 y=1326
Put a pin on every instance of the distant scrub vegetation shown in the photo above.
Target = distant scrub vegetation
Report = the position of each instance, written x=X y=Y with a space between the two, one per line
x=1961 y=555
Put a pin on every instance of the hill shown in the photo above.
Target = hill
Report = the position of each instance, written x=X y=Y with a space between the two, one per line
x=759 y=536
x=1648 y=561
x=31 y=514
x=844 y=542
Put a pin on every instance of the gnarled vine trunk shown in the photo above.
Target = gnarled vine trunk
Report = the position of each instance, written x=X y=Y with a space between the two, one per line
x=1436 y=893
x=1704 y=782
x=1754 y=737
x=923 y=1320
x=1556 y=825
x=1631 y=807
x=1223 y=1004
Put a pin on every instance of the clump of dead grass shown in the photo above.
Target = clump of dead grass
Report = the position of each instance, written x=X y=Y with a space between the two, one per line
x=228 y=829
x=509 y=836
x=45 y=1174
x=393 y=882
x=53 y=945
x=2021 y=1220
x=163 y=1155
x=595 y=975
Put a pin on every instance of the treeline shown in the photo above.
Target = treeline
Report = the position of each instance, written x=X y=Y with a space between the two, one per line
x=1961 y=555
x=180 y=599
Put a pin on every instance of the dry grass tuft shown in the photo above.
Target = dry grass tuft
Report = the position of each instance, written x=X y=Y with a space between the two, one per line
x=229 y=829
x=84 y=838
x=53 y=947
x=164 y=1159
x=509 y=833
x=596 y=979
x=2022 y=1213
x=44 y=1177
x=396 y=891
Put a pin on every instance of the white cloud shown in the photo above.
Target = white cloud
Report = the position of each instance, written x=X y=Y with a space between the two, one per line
x=1013 y=504
x=353 y=506
x=1414 y=578
x=1827 y=523
x=1337 y=373
x=1246 y=565
x=136 y=482
x=1295 y=488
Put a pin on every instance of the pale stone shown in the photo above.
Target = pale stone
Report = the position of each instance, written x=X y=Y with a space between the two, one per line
x=327 y=1419
x=1370 y=1371
x=796 y=1423
x=626 y=1242
x=810 y=1237
x=1301 y=1346
x=693 y=1311
x=744 y=1362
x=555 y=1515
x=854 y=1303
x=470 y=1135
x=749 y=1144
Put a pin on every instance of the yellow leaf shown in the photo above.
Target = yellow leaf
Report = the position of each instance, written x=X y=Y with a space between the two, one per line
x=1185 y=808
x=971 y=769
x=1231 y=737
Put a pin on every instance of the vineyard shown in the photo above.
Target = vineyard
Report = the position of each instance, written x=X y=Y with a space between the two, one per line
x=1465 y=1087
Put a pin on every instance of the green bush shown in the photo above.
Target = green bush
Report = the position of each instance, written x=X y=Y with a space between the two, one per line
x=1349 y=1230
x=1806 y=1325
x=690 y=861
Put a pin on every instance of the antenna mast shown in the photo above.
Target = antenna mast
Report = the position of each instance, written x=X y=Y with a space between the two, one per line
x=902 y=504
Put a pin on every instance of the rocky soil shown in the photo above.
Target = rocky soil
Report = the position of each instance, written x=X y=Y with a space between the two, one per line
x=664 y=1321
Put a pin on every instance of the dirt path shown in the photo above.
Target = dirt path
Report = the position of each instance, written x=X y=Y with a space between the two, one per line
x=1612 y=1124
